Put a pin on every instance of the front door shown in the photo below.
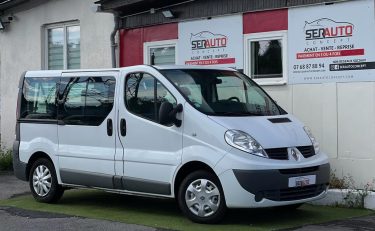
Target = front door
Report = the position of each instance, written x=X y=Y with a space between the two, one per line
x=86 y=131
x=152 y=151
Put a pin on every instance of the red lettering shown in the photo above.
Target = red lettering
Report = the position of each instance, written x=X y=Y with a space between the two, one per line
x=333 y=34
x=327 y=33
x=349 y=30
x=339 y=31
x=224 y=42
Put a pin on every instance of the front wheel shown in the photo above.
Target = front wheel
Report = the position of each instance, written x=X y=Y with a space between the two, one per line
x=201 y=198
x=43 y=182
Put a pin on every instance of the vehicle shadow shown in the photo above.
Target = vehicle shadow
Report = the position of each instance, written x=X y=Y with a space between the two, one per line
x=169 y=208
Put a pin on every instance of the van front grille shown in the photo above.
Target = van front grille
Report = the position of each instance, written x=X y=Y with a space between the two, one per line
x=277 y=153
x=282 y=153
x=297 y=193
x=306 y=151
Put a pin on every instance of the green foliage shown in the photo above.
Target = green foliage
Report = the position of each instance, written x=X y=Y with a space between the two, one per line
x=6 y=160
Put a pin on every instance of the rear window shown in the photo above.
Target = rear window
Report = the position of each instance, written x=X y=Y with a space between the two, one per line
x=75 y=101
x=38 y=98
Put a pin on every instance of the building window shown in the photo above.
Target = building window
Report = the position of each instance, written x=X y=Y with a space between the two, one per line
x=160 y=52
x=265 y=57
x=63 y=46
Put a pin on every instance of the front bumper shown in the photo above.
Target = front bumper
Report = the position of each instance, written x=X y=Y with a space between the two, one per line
x=272 y=184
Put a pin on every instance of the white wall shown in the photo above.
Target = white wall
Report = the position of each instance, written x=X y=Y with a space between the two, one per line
x=342 y=117
x=21 y=48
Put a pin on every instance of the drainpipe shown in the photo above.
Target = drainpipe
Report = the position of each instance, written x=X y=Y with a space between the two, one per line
x=113 y=39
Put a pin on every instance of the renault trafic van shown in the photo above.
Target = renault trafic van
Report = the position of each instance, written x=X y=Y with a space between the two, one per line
x=209 y=137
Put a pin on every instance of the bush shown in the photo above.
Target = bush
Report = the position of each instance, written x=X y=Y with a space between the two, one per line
x=347 y=182
x=6 y=160
x=354 y=196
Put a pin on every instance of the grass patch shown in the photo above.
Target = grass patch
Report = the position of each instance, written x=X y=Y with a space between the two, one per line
x=6 y=160
x=162 y=213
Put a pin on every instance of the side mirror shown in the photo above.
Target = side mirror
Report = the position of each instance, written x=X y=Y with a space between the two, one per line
x=167 y=114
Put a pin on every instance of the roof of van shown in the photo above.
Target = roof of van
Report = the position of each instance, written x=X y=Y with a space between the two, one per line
x=57 y=73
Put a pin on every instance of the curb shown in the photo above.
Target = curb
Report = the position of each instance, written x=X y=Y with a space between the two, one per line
x=336 y=197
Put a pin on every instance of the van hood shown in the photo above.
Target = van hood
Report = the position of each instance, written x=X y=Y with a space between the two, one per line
x=269 y=131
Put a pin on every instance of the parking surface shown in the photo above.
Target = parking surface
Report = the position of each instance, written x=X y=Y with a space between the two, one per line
x=363 y=223
x=13 y=219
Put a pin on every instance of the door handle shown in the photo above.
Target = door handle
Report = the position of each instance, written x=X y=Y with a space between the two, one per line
x=123 y=127
x=109 y=127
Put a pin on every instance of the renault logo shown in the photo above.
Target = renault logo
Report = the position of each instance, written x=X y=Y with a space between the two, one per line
x=294 y=154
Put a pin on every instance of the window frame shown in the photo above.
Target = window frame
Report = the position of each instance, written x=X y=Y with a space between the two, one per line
x=65 y=26
x=155 y=85
x=147 y=46
x=254 y=37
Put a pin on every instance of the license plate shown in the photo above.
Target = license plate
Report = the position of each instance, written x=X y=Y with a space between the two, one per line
x=301 y=181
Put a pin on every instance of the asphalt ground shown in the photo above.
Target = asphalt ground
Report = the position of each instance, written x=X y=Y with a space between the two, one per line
x=14 y=219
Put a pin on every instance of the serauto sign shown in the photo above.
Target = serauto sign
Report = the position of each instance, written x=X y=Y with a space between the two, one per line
x=217 y=41
x=325 y=28
x=208 y=40
x=332 y=43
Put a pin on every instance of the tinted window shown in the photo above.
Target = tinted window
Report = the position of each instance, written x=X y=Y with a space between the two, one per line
x=38 y=98
x=144 y=95
x=86 y=100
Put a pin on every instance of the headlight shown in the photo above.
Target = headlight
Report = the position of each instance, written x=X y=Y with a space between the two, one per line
x=312 y=138
x=244 y=142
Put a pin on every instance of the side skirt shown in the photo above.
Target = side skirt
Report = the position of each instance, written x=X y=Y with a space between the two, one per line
x=114 y=183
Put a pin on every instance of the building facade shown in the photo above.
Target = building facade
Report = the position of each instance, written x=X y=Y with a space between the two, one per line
x=315 y=58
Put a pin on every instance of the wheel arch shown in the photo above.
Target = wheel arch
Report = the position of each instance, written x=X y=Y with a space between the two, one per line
x=188 y=168
x=34 y=157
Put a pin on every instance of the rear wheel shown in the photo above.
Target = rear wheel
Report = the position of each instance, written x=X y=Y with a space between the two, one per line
x=43 y=182
x=201 y=198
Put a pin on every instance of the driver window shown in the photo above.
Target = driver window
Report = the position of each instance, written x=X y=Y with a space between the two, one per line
x=231 y=89
x=144 y=95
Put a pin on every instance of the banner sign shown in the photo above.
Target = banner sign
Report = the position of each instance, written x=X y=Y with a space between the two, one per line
x=216 y=41
x=332 y=43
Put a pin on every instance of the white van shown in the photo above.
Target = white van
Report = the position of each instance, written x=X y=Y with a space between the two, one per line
x=209 y=137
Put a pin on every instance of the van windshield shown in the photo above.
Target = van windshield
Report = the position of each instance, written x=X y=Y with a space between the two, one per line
x=222 y=92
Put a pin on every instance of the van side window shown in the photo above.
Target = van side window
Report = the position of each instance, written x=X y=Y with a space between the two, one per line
x=38 y=98
x=144 y=95
x=86 y=100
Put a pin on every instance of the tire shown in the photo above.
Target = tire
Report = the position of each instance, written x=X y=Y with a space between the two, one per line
x=191 y=186
x=43 y=182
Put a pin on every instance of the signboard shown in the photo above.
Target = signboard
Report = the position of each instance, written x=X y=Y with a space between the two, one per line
x=332 y=43
x=216 y=41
